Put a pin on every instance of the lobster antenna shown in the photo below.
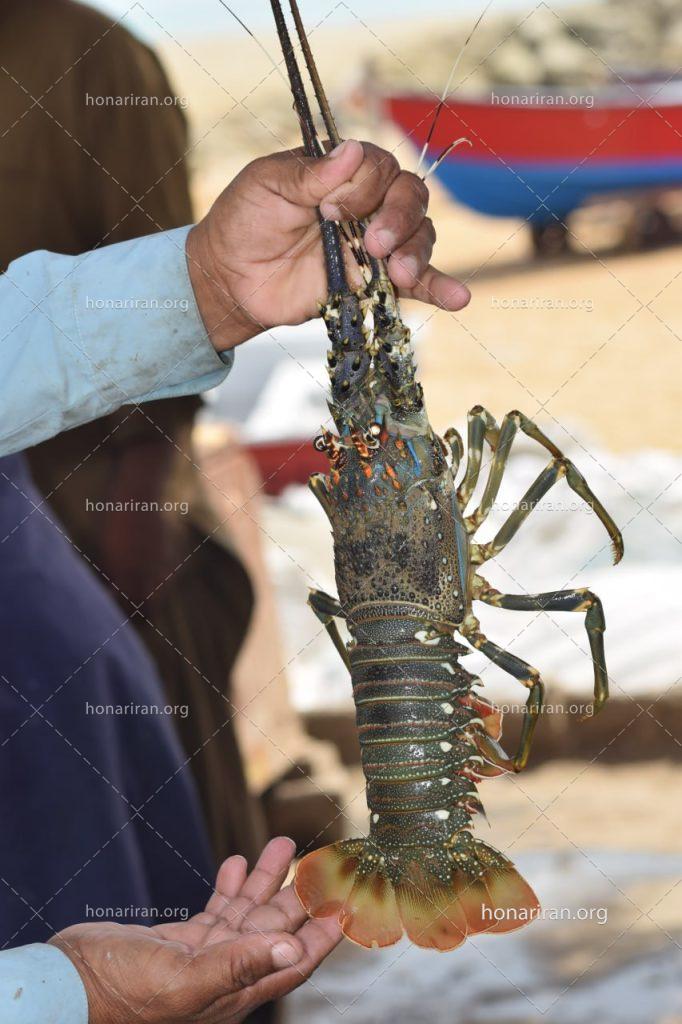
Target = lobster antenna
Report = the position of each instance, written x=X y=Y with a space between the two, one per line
x=311 y=141
x=336 y=271
x=446 y=90
x=356 y=230
x=256 y=40
x=446 y=152
x=321 y=96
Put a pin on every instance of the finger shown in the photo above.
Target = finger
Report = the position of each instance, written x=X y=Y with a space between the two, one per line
x=305 y=181
x=364 y=192
x=232 y=966
x=282 y=913
x=409 y=261
x=231 y=877
x=318 y=939
x=438 y=289
x=270 y=871
x=401 y=213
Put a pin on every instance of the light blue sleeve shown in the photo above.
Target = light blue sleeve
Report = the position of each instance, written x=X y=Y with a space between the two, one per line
x=40 y=985
x=82 y=335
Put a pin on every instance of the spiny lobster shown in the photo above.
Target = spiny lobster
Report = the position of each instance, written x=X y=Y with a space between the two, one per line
x=407 y=571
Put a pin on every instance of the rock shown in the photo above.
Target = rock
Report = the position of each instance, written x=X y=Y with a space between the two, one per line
x=543 y=24
x=567 y=61
x=513 y=63
x=671 y=51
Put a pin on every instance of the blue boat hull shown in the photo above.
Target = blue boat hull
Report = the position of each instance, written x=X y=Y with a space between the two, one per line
x=542 y=192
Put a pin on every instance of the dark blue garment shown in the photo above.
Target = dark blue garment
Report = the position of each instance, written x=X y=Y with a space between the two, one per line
x=96 y=811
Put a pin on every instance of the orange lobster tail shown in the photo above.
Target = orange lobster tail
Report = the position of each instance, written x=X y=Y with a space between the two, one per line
x=374 y=912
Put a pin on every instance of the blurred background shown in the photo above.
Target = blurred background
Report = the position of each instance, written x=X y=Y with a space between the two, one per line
x=563 y=215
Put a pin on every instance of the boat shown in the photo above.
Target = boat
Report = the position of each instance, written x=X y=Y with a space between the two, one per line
x=541 y=153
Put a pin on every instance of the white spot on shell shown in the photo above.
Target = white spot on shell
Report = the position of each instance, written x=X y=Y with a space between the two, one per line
x=445 y=746
x=447 y=708
x=445 y=782
x=433 y=503
x=375 y=818
x=423 y=637
x=448 y=666
x=443 y=815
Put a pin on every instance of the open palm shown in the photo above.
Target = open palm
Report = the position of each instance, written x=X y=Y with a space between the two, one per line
x=252 y=943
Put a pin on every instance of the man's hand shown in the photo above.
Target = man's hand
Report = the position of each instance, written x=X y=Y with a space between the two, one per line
x=253 y=943
x=256 y=259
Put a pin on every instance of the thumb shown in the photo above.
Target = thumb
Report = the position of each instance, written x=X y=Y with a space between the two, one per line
x=234 y=966
x=306 y=180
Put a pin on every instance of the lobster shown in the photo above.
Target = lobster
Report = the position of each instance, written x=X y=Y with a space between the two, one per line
x=407 y=570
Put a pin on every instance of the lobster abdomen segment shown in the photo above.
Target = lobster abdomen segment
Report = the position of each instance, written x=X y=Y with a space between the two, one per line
x=420 y=870
x=414 y=734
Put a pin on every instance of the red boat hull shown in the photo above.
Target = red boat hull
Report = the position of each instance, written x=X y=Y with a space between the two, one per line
x=541 y=160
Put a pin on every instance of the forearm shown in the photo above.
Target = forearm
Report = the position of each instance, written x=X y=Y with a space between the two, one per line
x=84 y=335
x=40 y=985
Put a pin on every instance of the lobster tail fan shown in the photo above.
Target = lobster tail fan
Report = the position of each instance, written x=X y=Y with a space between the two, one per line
x=512 y=900
x=324 y=878
x=372 y=911
x=431 y=911
x=370 y=916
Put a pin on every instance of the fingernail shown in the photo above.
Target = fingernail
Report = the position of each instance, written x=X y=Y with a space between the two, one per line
x=464 y=295
x=385 y=238
x=338 y=150
x=408 y=263
x=285 y=955
x=330 y=211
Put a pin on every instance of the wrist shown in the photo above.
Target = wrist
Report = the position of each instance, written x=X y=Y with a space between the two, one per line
x=100 y=1009
x=226 y=322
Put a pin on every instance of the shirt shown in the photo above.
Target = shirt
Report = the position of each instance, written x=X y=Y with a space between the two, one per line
x=69 y=352
x=40 y=985
x=70 y=330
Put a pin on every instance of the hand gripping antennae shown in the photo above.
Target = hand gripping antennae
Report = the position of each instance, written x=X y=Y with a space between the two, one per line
x=349 y=359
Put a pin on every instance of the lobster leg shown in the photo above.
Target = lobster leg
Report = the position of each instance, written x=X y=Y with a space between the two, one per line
x=579 y=600
x=320 y=488
x=526 y=674
x=480 y=426
x=535 y=493
x=453 y=440
x=560 y=466
x=326 y=608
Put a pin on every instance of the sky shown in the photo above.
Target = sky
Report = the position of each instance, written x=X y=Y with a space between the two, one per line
x=197 y=17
